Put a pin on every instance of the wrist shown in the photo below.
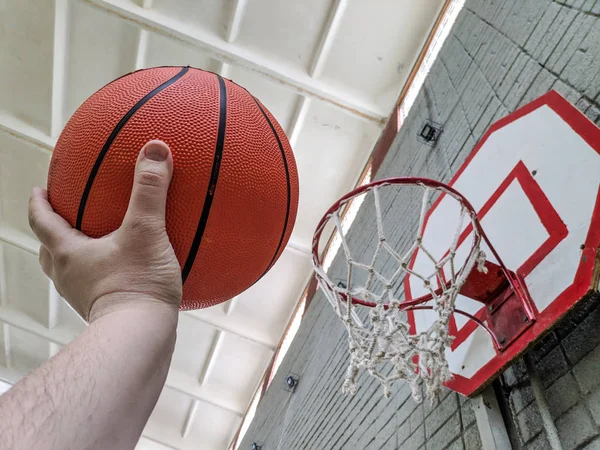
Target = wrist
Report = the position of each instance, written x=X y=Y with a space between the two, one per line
x=132 y=303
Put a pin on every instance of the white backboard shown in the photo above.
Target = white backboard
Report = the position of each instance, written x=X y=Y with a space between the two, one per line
x=534 y=180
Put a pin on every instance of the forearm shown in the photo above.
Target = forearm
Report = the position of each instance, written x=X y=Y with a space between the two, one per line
x=98 y=392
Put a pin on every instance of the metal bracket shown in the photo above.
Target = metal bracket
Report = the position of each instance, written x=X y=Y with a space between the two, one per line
x=509 y=312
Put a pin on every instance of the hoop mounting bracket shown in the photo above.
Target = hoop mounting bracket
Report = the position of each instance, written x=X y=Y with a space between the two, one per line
x=508 y=311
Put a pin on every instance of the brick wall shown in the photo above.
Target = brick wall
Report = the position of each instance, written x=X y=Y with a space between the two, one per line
x=500 y=55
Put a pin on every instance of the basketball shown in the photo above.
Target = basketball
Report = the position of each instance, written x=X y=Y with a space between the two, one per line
x=233 y=197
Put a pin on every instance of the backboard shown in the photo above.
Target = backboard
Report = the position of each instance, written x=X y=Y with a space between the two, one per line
x=534 y=181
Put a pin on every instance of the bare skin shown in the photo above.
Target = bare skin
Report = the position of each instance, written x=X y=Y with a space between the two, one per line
x=98 y=392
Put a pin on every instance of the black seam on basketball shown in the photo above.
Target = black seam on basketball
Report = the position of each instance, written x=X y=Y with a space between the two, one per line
x=289 y=185
x=113 y=136
x=212 y=185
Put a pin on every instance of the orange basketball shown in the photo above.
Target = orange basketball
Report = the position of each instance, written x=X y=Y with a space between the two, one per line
x=234 y=194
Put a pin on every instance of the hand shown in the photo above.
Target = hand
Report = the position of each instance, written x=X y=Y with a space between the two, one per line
x=135 y=264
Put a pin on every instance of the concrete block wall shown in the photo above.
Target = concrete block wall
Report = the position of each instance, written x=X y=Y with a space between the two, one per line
x=500 y=55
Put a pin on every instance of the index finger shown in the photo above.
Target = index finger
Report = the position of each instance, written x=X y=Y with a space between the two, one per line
x=49 y=227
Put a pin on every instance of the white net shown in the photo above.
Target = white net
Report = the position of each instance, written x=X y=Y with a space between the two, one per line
x=386 y=346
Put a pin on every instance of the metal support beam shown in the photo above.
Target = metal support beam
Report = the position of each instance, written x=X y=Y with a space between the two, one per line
x=3 y=291
x=18 y=239
x=4 y=386
x=235 y=21
x=230 y=305
x=283 y=74
x=295 y=126
x=53 y=305
x=233 y=29
x=189 y=386
x=224 y=69
x=327 y=37
x=189 y=420
x=18 y=319
x=59 y=65
x=21 y=130
x=489 y=421
x=540 y=400
x=4 y=301
x=7 y=349
x=210 y=358
x=223 y=327
x=142 y=43
x=159 y=442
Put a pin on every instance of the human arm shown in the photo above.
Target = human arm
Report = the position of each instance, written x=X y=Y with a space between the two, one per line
x=99 y=391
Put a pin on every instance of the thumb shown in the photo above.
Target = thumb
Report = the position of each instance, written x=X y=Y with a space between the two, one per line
x=153 y=172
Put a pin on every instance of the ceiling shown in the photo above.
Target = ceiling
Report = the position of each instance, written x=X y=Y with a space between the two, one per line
x=329 y=70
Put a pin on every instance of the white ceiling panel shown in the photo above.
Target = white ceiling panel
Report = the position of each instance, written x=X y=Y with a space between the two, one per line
x=27 y=287
x=212 y=428
x=22 y=167
x=386 y=56
x=288 y=39
x=331 y=152
x=26 y=50
x=148 y=444
x=236 y=370
x=262 y=312
x=211 y=15
x=100 y=48
x=4 y=330
x=171 y=409
x=67 y=318
x=27 y=350
x=280 y=101
x=192 y=351
x=164 y=51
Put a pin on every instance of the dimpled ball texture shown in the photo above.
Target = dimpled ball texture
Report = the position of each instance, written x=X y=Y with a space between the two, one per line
x=233 y=198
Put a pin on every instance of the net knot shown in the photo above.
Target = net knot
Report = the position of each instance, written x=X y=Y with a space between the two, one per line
x=481 y=258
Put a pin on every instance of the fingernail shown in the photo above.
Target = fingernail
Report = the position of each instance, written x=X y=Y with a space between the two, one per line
x=156 y=151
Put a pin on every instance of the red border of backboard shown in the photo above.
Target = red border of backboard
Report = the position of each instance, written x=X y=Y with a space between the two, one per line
x=582 y=280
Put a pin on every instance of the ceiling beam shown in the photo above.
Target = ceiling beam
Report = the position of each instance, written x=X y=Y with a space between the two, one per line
x=4 y=386
x=159 y=442
x=3 y=291
x=4 y=330
x=7 y=348
x=222 y=326
x=59 y=65
x=17 y=238
x=233 y=30
x=21 y=130
x=296 y=125
x=235 y=21
x=229 y=306
x=279 y=72
x=141 y=50
x=19 y=319
x=53 y=305
x=216 y=344
x=296 y=246
x=327 y=37
x=189 y=386
x=189 y=419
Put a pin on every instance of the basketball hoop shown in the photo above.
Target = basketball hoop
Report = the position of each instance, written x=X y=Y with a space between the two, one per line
x=387 y=337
